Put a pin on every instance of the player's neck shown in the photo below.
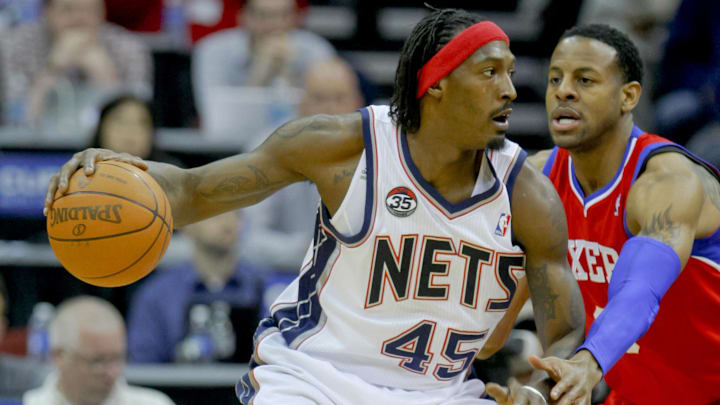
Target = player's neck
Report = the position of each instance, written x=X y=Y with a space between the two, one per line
x=451 y=170
x=597 y=165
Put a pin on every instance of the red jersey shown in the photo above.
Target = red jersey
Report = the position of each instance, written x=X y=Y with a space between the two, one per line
x=678 y=360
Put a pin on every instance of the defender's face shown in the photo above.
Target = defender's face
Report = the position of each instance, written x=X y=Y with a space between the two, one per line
x=478 y=95
x=583 y=95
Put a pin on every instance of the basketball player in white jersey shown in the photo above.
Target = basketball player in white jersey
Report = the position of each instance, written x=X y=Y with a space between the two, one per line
x=429 y=222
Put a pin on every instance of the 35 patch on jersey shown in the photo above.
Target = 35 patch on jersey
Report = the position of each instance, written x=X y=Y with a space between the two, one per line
x=401 y=201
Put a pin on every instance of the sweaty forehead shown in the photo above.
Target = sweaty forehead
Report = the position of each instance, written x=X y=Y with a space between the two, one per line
x=581 y=52
x=495 y=50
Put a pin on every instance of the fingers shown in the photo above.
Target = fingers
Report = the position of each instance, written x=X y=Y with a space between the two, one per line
x=549 y=364
x=87 y=158
x=519 y=396
x=66 y=171
x=576 y=396
x=559 y=389
x=59 y=181
x=499 y=393
x=50 y=195
x=89 y=163
x=132 y=160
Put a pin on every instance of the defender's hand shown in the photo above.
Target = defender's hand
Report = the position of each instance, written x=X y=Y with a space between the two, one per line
x=87 y=159
x=515 y=394
x=575 y=377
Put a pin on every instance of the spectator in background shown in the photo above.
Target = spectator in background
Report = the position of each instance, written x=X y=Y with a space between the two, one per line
x=688 y=104
x=281 y=224
x=267 y=50
x=17 y=374
x=54 y=71
x=87 y=339
x=126 y=124
x=331 y=87
x=158 y=316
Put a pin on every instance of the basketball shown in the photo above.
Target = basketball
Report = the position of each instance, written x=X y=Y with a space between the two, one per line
x=111 y=228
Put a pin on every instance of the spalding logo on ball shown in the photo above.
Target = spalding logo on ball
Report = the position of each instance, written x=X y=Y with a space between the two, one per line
x=111 y=228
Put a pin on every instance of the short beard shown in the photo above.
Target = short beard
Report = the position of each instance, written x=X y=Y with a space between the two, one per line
x=496 y=143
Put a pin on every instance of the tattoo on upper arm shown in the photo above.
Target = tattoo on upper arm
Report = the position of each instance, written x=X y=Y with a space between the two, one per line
x=343 y=175
x=543 y=296
x=261 y=180
x=661 y=226
x=295 y=128
x=710 y=184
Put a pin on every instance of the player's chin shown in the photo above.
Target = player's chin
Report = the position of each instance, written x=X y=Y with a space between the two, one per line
x=566 y=140
x=497 y=141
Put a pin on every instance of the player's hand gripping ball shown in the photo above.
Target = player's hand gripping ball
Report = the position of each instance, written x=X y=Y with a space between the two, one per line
x=111 y=228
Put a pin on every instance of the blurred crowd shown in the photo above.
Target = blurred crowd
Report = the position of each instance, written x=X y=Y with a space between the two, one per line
x=113 y=73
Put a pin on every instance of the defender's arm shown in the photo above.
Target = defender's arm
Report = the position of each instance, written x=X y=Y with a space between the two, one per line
x=663 y=210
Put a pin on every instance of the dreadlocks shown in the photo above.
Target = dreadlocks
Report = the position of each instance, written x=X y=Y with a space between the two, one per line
x=426 y=39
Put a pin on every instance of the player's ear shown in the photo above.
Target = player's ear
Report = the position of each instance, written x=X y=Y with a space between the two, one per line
x=630 y=96
x=436 y=90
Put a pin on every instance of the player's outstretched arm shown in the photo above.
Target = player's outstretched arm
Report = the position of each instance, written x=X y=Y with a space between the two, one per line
x=663 y=210
x=318 y=148
x=540 y=225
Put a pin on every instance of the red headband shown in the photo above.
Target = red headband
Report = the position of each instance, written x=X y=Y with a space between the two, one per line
x=456 y=51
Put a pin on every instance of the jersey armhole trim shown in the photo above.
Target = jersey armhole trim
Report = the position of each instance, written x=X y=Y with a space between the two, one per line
x=368 y=129
x=510 y=182
x=550 y=162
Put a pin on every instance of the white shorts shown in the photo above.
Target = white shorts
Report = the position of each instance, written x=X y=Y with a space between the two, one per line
x=286 y=376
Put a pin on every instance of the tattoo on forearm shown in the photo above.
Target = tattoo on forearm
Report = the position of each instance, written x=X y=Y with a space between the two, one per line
x=662 y=226
x=577 y=307
x=560 y=231
x=543 y=297
x=343 y=175
x=241 y=184
x=229 y=185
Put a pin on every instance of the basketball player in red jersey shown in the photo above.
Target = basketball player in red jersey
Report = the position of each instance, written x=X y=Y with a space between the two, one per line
x=642 y=210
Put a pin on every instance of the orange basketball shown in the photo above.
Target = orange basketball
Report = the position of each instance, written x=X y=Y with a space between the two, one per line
x=111 y=228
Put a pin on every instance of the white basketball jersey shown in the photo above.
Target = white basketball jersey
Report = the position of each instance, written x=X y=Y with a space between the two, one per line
x=401 y=287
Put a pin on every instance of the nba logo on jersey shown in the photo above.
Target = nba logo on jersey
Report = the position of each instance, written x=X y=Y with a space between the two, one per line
x=502 y=225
